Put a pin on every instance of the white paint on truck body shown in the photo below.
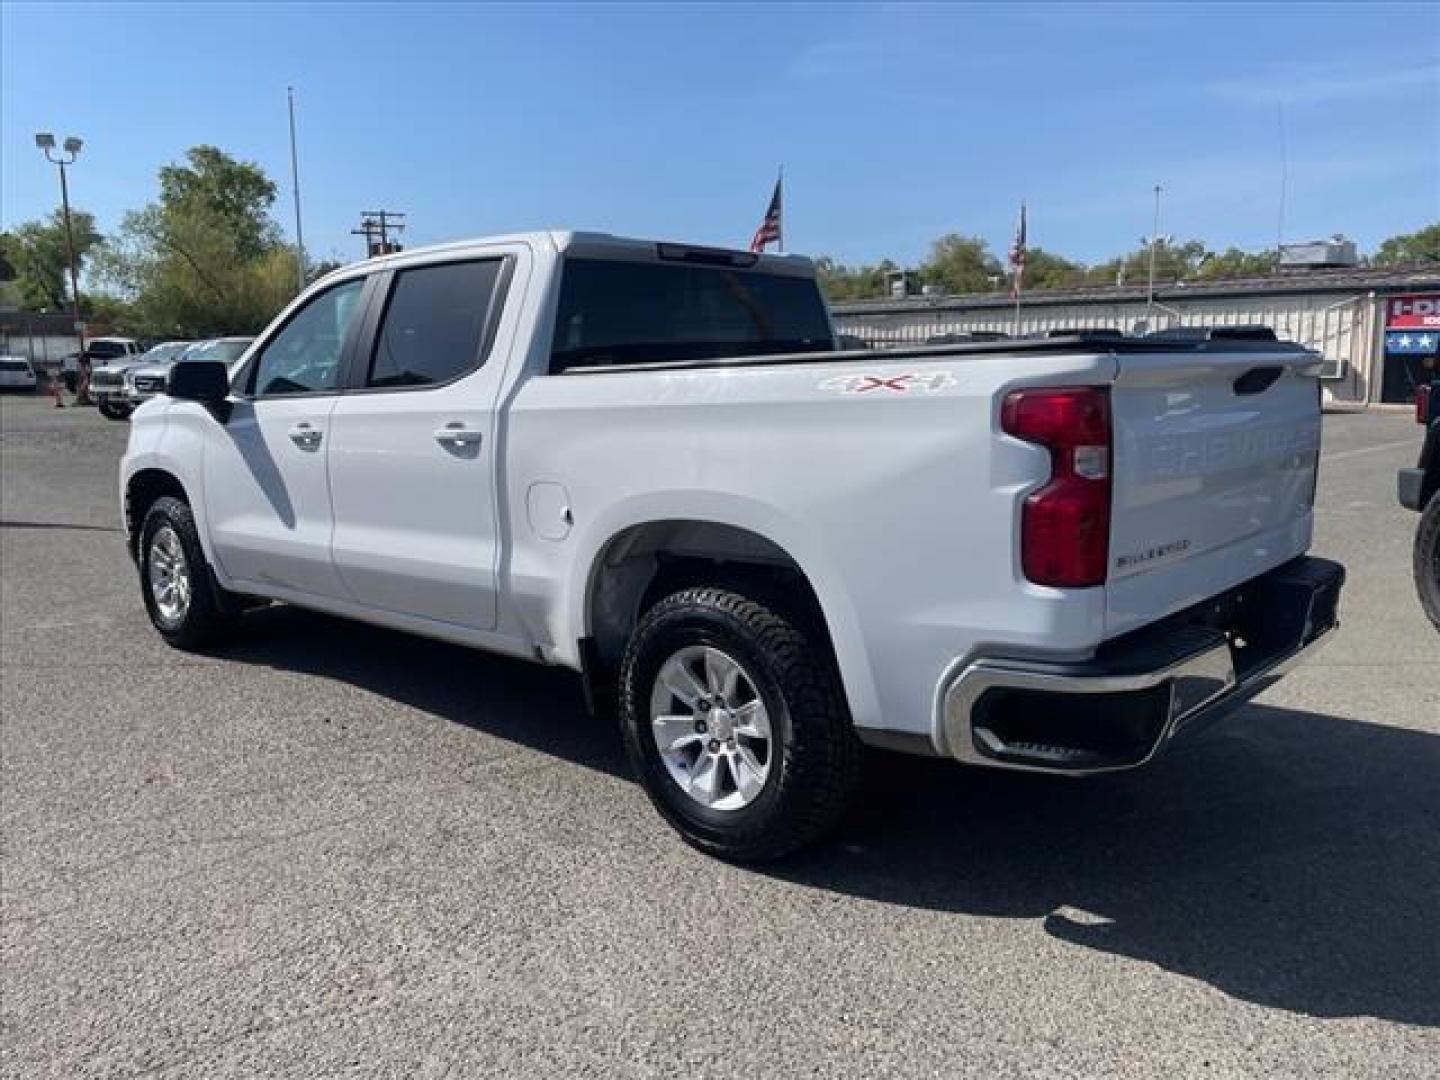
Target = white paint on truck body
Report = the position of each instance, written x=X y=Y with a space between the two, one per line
x=887 y=480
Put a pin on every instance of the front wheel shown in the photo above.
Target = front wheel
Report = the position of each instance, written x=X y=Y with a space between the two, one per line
x=1427 y=560
x=175 y=579
x=735 y=721
x=112 y=411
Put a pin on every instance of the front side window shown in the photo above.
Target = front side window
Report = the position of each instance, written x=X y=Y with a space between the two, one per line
x=434 y=324
x=304 y=357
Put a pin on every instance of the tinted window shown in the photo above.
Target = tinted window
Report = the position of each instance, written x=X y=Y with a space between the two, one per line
x=224 y=351
x=304 y=356
x=614 y=312
x=106 y=349
x=163 y=354
x=14 y=365
x=434 y=325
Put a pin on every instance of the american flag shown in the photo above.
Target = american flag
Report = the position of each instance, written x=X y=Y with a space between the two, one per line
x=769 y=230
x=1017 y=253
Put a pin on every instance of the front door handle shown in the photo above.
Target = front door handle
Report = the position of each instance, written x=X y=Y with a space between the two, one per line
x=456 y=435
x=305 y=437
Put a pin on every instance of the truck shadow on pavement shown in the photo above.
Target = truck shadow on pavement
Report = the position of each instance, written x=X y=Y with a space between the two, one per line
x=1287 y=858
x=532 y=706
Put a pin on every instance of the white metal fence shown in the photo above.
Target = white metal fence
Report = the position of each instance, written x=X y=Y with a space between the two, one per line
x=1340 y=328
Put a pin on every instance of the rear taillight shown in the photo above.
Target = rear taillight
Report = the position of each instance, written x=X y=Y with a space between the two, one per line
x=1423 y=394
x=1065 y=525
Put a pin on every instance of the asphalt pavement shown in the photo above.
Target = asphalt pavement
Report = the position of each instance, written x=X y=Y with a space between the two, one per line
x=333 y=850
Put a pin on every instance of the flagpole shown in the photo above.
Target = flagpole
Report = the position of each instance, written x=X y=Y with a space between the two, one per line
x=780 y=183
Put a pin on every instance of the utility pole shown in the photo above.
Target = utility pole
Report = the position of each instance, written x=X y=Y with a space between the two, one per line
x=295 y=181
x=1154 y=243
x=376 y=226
x=46 y=142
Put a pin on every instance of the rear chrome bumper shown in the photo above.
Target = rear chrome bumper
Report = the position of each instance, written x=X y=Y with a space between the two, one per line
x=1118 y=710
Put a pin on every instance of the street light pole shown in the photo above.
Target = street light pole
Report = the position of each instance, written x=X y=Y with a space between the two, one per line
x=46 y=142
x=295 y=183
x=1154 y=242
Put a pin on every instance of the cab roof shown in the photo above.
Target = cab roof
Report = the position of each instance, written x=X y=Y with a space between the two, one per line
x=586 y=244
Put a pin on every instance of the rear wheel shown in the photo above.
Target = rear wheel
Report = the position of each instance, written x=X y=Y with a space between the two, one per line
x=735 y=722
x=1427 y=560
x=113 y=411
x=180 y=595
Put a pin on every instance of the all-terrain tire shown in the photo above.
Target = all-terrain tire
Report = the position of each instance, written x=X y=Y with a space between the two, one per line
x=1427 y=560
x=111 y=411
x=168 y=537
x=815 y=757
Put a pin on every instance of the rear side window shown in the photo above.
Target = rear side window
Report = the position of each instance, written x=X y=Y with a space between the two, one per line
x=616 y=312
x=434 y=325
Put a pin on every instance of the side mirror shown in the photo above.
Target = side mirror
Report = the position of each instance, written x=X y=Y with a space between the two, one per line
x=205 y=381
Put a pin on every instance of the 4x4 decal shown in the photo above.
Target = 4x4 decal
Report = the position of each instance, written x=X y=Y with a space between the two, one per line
x=928 y=381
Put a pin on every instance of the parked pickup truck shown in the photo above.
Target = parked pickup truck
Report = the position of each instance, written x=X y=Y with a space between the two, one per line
x=648 y=462
x=110 y=382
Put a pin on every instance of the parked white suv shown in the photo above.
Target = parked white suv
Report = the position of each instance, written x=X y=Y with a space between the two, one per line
x=647 y=462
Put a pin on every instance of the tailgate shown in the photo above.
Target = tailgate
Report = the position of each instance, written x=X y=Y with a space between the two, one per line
x=1214 y=474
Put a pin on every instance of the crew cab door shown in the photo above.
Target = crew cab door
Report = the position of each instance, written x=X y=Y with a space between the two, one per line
x=267 y=495
x=413 y=448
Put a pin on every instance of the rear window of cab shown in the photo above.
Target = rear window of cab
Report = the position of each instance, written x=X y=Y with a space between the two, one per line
x=616 y=312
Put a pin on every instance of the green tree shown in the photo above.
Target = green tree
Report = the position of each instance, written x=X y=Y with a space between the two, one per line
x=1173 y=262
x=1234 y=263
x=236 y=194
x=961 y=264
x=8 y=273
x=1044 y=270
x=109 y=314
x=1421 y=248
x=37 y=253
x=205 y=258
x=842 y=282
x=315 y=271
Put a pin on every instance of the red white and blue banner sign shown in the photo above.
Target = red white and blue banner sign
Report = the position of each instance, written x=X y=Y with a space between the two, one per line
x=1412 y=342
x=1420 y=311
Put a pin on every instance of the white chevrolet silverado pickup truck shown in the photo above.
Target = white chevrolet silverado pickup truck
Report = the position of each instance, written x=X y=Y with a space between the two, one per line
x=650 y=463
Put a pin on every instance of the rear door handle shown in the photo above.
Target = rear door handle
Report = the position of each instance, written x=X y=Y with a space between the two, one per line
x=454 y=435
x=305 y=437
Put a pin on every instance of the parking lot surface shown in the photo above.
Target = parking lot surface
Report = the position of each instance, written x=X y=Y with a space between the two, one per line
x=333 y=850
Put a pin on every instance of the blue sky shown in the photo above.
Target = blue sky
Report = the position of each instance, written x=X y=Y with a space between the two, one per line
x=895 y=124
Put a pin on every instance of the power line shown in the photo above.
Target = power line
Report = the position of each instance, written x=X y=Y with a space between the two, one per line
x=376 y=226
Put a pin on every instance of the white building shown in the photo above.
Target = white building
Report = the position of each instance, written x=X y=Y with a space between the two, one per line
x=1357 y=319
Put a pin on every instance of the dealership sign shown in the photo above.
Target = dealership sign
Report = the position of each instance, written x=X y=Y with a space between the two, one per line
x=1419 y=312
